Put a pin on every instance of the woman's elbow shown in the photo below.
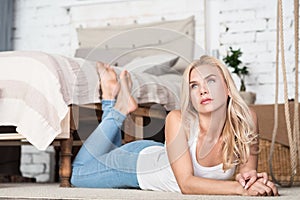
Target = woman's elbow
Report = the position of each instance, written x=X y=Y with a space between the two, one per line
x=186 y=190
x=185 y=187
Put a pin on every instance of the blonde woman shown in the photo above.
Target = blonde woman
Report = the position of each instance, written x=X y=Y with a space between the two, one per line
x=212 y=134
x=216 y=132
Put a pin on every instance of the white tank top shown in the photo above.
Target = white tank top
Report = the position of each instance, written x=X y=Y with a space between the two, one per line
x=155 y=173
x=215 y=172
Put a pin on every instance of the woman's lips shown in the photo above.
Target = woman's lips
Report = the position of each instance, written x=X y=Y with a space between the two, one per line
x=205 y=101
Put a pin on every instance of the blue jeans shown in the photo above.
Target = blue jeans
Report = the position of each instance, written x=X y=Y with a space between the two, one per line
x=102 y=161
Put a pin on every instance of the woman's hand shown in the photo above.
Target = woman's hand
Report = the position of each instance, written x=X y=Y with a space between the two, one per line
x=260 y=188
x=246 y=179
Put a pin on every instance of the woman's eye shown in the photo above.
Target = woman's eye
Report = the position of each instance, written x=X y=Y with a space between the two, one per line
x=209 y=81
x=193 y=86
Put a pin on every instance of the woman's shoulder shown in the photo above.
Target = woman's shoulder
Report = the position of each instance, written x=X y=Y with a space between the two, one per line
x=173 y=119
x=174 y=115
x=173 y=125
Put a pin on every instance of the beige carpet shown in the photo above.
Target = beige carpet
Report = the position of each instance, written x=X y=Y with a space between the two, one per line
x=53 y=191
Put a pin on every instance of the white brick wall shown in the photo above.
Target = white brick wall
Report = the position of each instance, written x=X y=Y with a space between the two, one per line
x=49 y=25
x=251 y=26
x=38 y=164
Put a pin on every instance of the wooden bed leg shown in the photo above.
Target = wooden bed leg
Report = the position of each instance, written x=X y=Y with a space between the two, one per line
x=65 y=169
x=129 y=130
x=139 y=132
x=133 y=128
x=66 y=146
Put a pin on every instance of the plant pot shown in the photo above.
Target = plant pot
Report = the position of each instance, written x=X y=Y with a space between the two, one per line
x=249 y=97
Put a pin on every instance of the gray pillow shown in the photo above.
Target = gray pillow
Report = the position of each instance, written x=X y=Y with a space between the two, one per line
x=157 y=65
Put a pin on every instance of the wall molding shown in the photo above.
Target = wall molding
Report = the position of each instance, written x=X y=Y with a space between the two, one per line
x=93 y=2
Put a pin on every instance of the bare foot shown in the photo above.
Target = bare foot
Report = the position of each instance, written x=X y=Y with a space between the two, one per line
x=125 y=102
x=108 y=81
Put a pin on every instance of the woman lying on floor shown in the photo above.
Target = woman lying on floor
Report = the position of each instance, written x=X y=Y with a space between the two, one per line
x=212 y=134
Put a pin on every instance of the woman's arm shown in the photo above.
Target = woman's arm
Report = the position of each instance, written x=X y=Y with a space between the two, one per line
x=248 y=174
x=257 y=184
x=181 y=163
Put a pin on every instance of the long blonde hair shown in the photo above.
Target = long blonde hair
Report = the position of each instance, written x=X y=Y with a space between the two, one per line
x=239 y=129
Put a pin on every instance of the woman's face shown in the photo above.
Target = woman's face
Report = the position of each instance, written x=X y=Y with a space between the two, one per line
x=208 y=91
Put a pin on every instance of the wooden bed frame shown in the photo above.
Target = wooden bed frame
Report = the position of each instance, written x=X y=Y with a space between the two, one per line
x=65 y=140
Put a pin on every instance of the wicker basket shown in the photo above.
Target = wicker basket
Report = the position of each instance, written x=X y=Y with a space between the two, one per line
x=280 y=163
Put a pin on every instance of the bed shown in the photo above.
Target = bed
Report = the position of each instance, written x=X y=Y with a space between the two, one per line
x=41 y=93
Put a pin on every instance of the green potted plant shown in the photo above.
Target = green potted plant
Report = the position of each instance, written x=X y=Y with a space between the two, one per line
x=232 y=60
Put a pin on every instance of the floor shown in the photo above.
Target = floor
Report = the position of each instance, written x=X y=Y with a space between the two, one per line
x=53 y=191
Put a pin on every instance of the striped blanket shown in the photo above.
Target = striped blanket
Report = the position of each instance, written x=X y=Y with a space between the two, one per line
x=36 y=89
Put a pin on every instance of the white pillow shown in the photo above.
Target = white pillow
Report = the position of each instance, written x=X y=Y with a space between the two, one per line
x=159 y=64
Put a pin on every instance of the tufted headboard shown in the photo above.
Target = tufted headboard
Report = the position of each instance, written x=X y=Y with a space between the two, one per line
x=118 y=45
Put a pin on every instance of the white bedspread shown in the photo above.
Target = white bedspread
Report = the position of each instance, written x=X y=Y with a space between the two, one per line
x=36 y=89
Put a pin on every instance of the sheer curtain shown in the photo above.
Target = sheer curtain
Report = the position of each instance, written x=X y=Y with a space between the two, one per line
x=6 y=24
